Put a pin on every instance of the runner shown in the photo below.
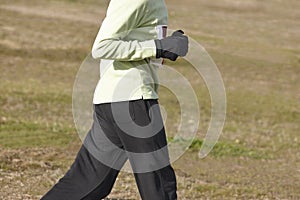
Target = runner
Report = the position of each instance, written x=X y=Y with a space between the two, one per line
x=131 y=44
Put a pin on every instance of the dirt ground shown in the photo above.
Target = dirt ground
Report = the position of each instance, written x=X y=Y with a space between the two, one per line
x=256 y=46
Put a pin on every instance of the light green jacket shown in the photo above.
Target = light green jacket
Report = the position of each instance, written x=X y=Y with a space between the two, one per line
x=125 y=45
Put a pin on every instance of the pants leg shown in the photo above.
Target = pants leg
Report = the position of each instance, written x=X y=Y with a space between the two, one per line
x=158 y=184
x=88 y=178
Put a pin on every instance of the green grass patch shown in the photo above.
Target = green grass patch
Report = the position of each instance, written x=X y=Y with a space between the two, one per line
x=223 y=148
x=206 y=188
x=245 y=105
x=20 y=134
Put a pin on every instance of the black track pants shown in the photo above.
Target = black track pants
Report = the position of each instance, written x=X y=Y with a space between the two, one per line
x=120 y=131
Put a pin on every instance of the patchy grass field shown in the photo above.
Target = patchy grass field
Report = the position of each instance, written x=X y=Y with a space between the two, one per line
x=256 y=46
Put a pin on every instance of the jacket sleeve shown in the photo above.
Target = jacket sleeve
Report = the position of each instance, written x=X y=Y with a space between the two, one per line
x=120 y=19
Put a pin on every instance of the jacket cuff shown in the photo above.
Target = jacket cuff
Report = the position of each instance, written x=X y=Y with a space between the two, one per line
x=149 y=48
x=159 y=49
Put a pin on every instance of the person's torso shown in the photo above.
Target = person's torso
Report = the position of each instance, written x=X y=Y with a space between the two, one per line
x=130 y=80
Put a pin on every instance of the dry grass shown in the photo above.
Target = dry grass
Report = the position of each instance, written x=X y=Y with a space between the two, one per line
x=256 y=46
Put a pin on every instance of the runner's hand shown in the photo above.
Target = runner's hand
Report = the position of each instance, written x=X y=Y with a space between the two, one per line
x=173 y=46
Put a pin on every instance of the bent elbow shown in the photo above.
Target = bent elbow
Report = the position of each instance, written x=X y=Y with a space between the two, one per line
x=94 y=54
x=100 y=50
